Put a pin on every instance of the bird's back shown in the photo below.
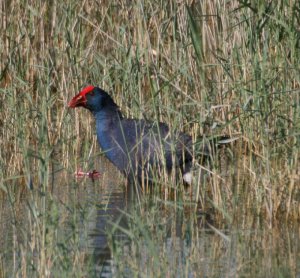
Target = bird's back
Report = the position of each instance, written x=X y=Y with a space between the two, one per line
x=137 y=147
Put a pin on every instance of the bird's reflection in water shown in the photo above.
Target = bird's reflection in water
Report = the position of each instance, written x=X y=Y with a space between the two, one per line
x=115 y=213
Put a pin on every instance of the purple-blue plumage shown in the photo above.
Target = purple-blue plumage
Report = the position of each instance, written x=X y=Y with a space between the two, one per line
x=139 y=149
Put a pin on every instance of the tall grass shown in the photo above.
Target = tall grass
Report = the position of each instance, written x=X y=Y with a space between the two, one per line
x=207 y=67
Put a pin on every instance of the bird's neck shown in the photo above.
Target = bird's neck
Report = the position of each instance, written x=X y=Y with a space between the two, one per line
x=107 y=118
x=106 y=122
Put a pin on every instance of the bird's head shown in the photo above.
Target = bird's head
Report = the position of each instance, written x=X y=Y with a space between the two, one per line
x=92 y=98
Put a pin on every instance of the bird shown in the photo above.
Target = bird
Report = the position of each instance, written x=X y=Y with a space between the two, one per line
x=139 y=148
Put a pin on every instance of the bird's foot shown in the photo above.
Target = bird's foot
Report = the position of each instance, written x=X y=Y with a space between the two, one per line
x=93 y=175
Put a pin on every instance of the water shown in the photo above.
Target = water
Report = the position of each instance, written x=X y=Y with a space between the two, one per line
x=108 y=233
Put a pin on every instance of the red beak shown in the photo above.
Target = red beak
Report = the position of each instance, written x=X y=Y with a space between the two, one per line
x=78 y=100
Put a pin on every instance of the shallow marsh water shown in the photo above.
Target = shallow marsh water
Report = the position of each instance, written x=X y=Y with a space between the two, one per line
x=96 y=226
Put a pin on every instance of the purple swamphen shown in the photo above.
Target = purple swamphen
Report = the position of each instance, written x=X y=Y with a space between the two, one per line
x=140 y=149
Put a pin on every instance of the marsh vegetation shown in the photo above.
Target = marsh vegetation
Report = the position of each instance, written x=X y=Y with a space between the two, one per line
x=208 y=68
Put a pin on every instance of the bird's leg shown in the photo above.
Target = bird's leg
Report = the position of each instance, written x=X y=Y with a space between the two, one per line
x=93 y=174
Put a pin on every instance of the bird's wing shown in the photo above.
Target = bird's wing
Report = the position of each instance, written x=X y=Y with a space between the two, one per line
x=153 y=143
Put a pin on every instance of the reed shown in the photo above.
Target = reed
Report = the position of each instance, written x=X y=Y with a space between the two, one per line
x=207 y=67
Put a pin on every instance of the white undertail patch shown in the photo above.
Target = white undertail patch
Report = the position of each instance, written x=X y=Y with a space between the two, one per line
x=188 y=178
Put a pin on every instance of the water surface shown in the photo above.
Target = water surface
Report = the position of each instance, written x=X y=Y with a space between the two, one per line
x=111 y=234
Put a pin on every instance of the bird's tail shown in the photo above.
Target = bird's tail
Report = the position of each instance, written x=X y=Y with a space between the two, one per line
x=207 y=146
x=205 y=149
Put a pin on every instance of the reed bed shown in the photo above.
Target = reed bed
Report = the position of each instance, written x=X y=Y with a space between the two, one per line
x=205 y=67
